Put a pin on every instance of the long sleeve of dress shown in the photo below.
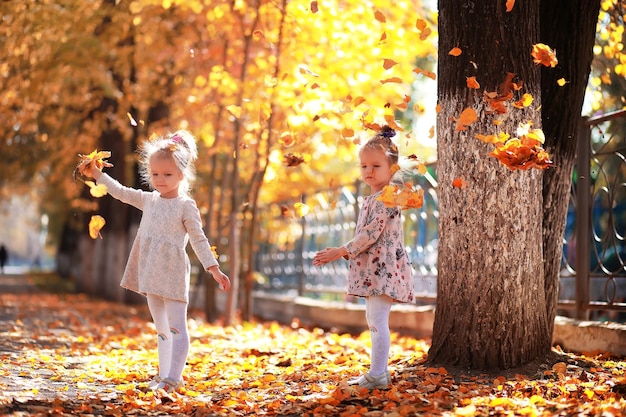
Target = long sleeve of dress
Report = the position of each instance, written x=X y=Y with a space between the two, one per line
x=369 y=231
x=126 y=195
x=199 y=242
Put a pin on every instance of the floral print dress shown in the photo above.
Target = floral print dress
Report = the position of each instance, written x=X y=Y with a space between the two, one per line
x=378 y=260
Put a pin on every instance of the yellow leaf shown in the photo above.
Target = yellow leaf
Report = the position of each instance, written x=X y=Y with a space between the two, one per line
x=301 y=209
x=234 y=110
x=96 y=190
x=96 y=224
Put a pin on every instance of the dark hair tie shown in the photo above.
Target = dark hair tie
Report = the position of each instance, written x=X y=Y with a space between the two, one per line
x=387 y=132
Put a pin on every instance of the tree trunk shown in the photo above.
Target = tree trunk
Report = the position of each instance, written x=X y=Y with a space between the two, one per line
x=561 y=123
x=491 y=312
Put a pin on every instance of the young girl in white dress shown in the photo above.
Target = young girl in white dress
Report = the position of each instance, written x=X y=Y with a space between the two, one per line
x=380 y=269
x=158 y=266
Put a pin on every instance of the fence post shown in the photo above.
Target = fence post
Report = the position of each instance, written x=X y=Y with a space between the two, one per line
x=300 y=253
x=583 y=216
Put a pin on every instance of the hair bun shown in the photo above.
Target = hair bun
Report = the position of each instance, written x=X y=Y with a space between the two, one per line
x=387 y=132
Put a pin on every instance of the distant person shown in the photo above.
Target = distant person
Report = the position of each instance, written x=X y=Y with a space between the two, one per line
x=4 y=257
x=158 y=266
x=380 y=270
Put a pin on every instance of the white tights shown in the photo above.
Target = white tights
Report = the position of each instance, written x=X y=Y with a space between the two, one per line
x=377 y=310
x=170 y=320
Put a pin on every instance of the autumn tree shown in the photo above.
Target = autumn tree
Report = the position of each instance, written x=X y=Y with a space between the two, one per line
x=496 y=296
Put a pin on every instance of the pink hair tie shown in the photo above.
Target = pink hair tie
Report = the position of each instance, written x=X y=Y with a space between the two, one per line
x=177 y=138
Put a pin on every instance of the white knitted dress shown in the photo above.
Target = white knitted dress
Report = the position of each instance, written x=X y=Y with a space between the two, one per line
x=158 y=263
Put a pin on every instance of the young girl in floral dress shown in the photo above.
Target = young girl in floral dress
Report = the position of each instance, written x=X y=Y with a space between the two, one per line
x=380 y=269
x=158 y=266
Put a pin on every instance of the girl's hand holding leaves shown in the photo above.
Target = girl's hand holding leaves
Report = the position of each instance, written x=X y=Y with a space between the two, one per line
x=96 y=159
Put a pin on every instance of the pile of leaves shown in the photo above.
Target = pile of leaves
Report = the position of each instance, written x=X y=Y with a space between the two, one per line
x=73 y=355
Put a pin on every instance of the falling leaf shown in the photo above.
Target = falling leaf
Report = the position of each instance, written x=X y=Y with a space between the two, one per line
x=561 y=82
x=234 y=110
x=456 y=51
x=525 y=101
x=509 y=5
x=301 y=209
x=544 y=55
x=314 y=7
x=501 y=137
x=389 y=63
x=258 y=35
x=426 y=73
x=133 y=122
x=358 y=101
x=285 y=211
x=286 y=139
x=214 y=251
x=383 y=38
x=404 y=197
x=459 y=183
x=391 y=80
x=306 y=71
x=292 y=160
x=96 y=224
x=472 y=83
x=347 y=133
x=96 y=190
x=378 y=15
x=467 y=117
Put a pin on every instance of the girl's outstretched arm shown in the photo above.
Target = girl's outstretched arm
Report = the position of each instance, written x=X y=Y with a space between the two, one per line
x=328 y=255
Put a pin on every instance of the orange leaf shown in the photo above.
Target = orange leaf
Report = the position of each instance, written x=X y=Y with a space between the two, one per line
x=391 y=80
x=509 y=5
x=467 y=117
x=525 y=101
x=544 y=55
x=426 y=73
x=456 y=51
x=405 y=198
x=358 y=101
x=459 y=183
x=96 y=224
x=314 y=7
x=472 y=83
x=258 y=35
x=96 y=157
x=388 y=63
x=378 y=15
x=347 y=133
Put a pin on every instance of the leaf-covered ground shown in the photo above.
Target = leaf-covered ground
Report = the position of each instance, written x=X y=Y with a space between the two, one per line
x=65 y=354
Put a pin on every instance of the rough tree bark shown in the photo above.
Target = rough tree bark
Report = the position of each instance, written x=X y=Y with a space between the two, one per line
x=561 y=122
x=491 y=311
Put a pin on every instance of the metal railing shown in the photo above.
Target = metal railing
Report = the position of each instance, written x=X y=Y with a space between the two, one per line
x=287 y=245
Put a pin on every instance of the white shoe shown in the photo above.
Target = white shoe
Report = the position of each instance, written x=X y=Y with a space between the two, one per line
x=372 y=382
